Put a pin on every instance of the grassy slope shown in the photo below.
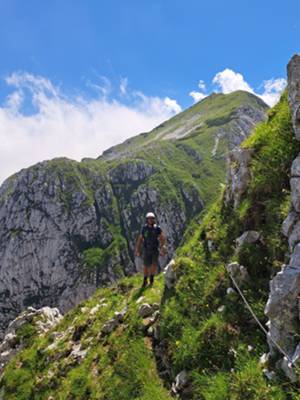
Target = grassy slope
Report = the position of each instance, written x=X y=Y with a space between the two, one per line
x=213 y=111
x=175 y=166
x=213 y=345
x=119 y=366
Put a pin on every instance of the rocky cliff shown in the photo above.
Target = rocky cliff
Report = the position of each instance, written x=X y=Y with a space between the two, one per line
x=68 y=227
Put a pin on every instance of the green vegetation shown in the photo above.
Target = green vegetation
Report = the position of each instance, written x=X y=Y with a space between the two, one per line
x=117 y=366
x=210 y=342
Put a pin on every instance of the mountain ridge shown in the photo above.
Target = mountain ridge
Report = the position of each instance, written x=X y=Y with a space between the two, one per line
x=68 y=227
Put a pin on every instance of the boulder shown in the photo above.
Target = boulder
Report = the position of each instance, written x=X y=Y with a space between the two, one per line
x=248 y=237
x=230 y=292
x=288 y=369
x=114 y=322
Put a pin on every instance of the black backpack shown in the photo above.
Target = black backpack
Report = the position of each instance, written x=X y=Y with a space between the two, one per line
x=150 y=236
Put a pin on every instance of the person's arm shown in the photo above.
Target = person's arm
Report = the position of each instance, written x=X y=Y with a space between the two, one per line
x=138 y=245
x=162 y=244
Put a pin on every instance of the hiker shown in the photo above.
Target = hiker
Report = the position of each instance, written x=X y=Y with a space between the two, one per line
x=153 y=241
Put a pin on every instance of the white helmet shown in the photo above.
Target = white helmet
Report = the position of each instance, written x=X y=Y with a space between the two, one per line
x=150 y=215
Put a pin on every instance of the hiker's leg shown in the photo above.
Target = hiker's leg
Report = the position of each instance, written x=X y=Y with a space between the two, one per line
x=145 y=281
x=147 y=268
x=153 y=269
x=153 y=272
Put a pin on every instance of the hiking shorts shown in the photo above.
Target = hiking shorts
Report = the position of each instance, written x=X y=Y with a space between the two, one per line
x=150 y=259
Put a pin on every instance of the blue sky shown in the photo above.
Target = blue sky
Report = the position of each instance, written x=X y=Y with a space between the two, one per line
x=141 y=57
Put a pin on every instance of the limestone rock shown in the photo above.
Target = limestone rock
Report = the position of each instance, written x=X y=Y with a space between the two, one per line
x=180 y=382
x=145 y=310
x=77 y=353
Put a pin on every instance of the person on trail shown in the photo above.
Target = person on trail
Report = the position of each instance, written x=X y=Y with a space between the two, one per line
x=151 y=243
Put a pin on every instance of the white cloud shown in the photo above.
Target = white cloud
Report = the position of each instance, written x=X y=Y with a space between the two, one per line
x=229 y=81
x=201 y=85
x=65 y=126
x=272 y=90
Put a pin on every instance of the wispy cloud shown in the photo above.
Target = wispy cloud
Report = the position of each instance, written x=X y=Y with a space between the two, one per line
x=228 y=81
x=199 y=95
x=123 y=86
x=76 y=127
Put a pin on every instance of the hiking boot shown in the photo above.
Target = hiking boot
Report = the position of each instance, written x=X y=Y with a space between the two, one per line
x=145 y=282
x=151 y=280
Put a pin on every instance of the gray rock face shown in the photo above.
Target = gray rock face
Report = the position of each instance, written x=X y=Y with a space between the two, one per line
x=238 y=175
x=248 y=237
x=244 y=120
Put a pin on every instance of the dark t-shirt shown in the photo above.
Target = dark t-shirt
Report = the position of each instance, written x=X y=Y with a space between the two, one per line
x=150 y=235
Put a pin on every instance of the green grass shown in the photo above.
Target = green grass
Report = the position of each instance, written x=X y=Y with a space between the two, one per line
x=212 y=345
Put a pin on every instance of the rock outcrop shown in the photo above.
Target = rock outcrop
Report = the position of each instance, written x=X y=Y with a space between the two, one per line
x=293 y=71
